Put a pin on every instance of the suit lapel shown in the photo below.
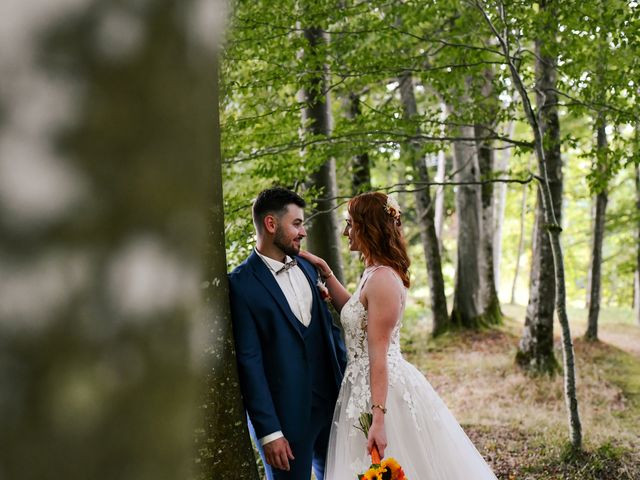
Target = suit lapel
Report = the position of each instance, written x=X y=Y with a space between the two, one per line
x=265 y=277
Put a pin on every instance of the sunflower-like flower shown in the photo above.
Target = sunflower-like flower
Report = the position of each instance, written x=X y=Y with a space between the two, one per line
x=385 y=469
x=394 y=467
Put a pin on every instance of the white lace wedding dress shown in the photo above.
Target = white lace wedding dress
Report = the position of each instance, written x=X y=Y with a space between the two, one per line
x=422 y=434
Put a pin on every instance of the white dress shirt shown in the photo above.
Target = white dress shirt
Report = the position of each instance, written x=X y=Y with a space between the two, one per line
x=294 y=285
x=296 y=289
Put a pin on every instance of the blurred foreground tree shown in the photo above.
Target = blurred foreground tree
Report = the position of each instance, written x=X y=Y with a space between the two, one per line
x=106 y=198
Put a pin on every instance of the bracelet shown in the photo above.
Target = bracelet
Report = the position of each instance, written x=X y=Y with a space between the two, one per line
x=381 y=407
x=326 y=276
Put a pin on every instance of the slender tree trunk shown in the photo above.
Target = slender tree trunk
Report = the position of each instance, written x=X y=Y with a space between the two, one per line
x=598 y=238
x=548 y=116
x=360 y=165
x=323 y=231
x=490 y=302
x=500 y=199
x=523 y=211
x=592 y=227
x=441 y=172
x=536 y=345
x=439 y=212
x=467 y=302
x=486 y=159
x=424 y=209
x=637 y=282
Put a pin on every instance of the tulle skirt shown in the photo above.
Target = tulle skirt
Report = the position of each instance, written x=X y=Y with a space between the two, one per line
x=422 y=434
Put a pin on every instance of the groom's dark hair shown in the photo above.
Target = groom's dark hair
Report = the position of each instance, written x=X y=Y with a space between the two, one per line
x=274 y=201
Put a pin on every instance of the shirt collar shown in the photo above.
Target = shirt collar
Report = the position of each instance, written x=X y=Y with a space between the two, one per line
x=273 y=265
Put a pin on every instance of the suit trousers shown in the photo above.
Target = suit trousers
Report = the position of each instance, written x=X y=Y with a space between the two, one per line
x=310 y=451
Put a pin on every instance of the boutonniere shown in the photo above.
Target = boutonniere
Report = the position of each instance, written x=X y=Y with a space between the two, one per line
x=324 y=291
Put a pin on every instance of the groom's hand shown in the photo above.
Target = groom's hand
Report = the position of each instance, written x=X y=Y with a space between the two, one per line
x=278 y=453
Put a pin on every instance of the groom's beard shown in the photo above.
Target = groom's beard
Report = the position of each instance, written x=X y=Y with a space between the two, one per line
x=280 y=241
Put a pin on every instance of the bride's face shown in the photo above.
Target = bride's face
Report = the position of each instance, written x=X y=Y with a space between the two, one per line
x=349 y=233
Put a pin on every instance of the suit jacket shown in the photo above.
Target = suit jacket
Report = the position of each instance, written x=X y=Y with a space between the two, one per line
x=272 y=360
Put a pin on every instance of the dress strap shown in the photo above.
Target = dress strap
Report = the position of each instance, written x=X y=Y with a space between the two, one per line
x=369 y=271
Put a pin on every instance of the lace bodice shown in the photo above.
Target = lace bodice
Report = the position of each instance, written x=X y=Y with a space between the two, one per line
x=354 y=320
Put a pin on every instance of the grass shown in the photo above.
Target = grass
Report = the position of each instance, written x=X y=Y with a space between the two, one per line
x=519 y=422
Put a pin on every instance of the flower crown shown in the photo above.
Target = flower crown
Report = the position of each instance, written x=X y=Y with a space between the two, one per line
x=392 y=207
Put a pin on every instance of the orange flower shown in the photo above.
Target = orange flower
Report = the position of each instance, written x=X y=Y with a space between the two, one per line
x=394 y=467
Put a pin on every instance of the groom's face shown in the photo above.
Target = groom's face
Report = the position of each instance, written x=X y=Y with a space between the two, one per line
x=290 y=231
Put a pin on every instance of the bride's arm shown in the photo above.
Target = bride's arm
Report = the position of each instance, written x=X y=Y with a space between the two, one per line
x=339 y=294
x=384 y=303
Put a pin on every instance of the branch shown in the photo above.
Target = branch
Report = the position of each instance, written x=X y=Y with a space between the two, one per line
x=395 y=138
x=396 y=188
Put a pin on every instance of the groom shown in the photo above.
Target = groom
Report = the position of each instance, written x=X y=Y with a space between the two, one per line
x=290 y=355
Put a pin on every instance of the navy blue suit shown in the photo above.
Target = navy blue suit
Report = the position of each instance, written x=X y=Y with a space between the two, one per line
x=290 y=374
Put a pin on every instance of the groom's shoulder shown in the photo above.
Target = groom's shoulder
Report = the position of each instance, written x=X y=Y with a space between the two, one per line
x=240 y=271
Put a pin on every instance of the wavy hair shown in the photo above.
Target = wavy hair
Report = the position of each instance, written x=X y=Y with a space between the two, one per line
x=379 y=234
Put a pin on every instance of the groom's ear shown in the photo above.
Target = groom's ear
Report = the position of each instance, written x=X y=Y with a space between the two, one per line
x=270 y=224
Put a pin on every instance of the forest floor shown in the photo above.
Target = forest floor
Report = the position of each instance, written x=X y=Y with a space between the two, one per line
x=519 y=422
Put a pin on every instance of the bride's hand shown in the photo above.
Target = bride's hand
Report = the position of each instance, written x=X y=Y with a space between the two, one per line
x=316 y=261
x=377 y=438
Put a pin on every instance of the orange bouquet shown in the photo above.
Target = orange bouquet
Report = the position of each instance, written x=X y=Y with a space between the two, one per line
x=380 y=469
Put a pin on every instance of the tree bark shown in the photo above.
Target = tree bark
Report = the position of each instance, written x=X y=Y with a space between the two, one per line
x=490 y=302
x=536 y=345
x=598 y=238
x=226 y=446
x=425 y=212
x=323 y=231
x=104 y=322
x=467 y=301
x=548 y=117
x=439 y=206
x=500 y=198
x=523 y=207
x=637 y=282
x=360 y=165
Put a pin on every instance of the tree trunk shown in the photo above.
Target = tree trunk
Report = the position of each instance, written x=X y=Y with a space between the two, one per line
x=598 y=238
x=323 y=231
x=592 y=226
x=360 y=165
x=439 y=205
x=500 y=198
x=467 y=301
x=536 y=345
x=104 y=322
x=637 y=282
x=227 y=445
x=548 y=117
x=424 y=209
x=490 y=302
x=523 y=207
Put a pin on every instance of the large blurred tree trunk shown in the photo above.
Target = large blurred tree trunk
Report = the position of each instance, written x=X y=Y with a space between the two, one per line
x=536 y=344
x=105 y=240
x=598 y=236
x=425 y=212
x=324 y=232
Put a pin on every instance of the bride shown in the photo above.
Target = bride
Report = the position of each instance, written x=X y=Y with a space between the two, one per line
x=410 y=421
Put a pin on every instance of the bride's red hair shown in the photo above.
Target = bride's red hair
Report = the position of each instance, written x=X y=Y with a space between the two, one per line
x=378 y=234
